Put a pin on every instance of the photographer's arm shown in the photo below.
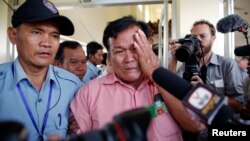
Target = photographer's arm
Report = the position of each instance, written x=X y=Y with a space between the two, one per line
x=173 y=46
x=172 y=65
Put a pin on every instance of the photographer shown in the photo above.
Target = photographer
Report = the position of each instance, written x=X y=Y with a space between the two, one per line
x=217 y=72
x=222 y=74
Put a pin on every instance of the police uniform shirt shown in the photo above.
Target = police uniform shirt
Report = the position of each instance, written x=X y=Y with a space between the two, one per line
x=63 y=85
x=92 y=72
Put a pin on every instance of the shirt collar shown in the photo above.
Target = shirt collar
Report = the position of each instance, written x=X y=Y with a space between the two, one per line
x=111 y=78
x=214 y=59
x=93 y=67
x=19 y=73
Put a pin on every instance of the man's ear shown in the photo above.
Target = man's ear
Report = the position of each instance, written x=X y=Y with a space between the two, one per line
x=214 y=37
x=12 y=34
x=57 y=63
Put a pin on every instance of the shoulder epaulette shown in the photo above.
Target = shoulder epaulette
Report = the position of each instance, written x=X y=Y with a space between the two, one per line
x=66 y=75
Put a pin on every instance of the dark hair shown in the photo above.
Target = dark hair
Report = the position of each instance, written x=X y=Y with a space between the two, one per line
x=93 y=47
x=210 y=25
x=63 y=45
x=119 y=25
x=105 y=55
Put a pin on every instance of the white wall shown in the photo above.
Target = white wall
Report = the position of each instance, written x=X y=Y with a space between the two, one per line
x=3 y=31
x=193 y=10
x=90 y=22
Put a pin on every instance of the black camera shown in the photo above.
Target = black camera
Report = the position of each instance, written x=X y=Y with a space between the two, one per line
x=189 y=47
x=190 y=54
x=13 y=131
x=130 y=126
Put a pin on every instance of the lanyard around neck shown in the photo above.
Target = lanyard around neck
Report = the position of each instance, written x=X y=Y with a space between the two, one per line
x=29 y=111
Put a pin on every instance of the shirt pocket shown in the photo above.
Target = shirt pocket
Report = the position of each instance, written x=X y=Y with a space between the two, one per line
x=61 y=122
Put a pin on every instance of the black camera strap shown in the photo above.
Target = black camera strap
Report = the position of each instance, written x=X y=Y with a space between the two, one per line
x=204 y=73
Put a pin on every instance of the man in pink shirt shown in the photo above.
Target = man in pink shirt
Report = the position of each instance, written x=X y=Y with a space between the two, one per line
x=126 y=88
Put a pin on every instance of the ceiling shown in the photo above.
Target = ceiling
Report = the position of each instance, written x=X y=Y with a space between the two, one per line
x=91 y=16
x=90 y=22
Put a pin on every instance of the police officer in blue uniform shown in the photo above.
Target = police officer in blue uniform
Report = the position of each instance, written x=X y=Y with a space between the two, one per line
x=32 y=91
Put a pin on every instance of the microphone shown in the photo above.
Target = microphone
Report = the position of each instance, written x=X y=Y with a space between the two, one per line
x=224 y=113
x=232 y=23
x=172 y=82
x=206 y=103
x=200 y=99
x=242 y=50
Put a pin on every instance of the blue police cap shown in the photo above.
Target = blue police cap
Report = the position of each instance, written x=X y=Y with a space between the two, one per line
x=40 y=10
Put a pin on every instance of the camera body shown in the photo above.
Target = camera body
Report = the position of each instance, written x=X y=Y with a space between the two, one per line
x=131 y=125
x=190 y=54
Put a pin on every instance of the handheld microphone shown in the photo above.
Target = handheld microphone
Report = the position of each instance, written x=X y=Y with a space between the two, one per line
x=232 y=23
x=171 y=82
x=205 y=103
x=208 y=104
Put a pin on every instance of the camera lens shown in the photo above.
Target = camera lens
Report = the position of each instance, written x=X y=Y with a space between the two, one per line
x=185 y=51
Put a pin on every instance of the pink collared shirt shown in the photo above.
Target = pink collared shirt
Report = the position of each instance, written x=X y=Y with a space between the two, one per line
x=97 y=102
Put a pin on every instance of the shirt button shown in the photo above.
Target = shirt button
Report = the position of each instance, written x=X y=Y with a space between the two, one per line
x=40 y=100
